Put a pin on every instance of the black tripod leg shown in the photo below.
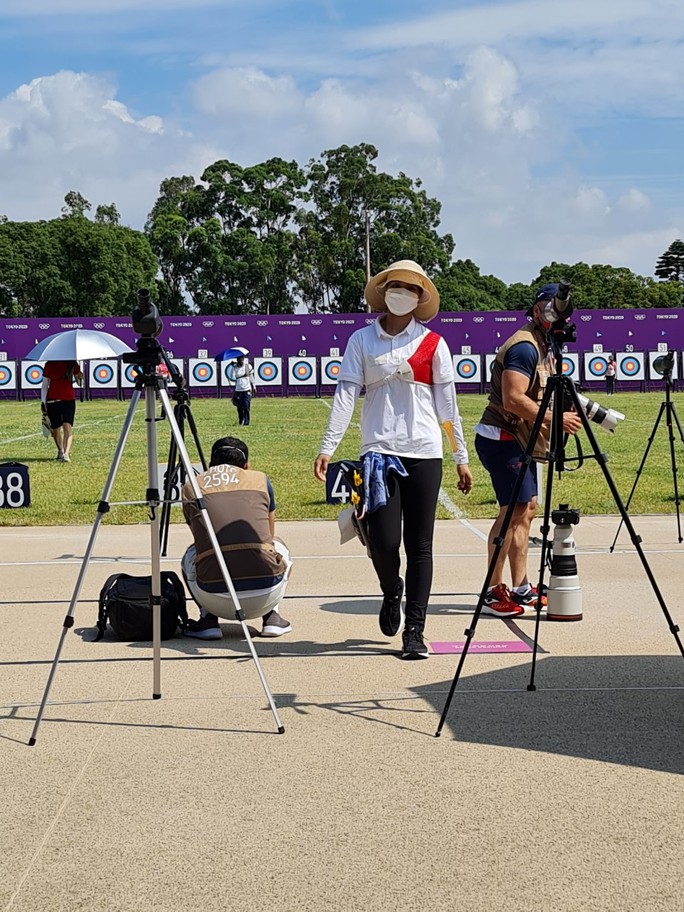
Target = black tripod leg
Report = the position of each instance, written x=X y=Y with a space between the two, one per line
x=170 y=479
x=673 y=460
x=499 y=542
x=636 y=540
x=195 y=436
x=540 y=585
x=639 y=471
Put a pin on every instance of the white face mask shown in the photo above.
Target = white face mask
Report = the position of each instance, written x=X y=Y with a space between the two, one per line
x=401 y=301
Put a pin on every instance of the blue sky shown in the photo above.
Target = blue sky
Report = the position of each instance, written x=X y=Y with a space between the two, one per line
x=548 y=129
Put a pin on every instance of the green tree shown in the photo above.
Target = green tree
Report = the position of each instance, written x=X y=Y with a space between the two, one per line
x=670 y=265
x=350 y=198
x=75 y=205
x=461 y=287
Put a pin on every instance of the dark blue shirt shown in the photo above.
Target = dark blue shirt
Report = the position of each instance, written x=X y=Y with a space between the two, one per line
x=522 y=358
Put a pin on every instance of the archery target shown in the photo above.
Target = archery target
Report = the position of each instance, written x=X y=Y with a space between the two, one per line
x=467 y=368
x=595 y=366
x=630 y=366
x=654 y=375
x=301 y=371
x=31 y=374
x=571 y=366
x=129 y=374
x=330 y=370
x=201 y=372
x=102 y=375
x=8 y=375
x=268 y=371
x=489 y=364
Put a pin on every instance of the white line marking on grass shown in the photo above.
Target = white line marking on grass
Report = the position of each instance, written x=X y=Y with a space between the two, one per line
x=77 y=427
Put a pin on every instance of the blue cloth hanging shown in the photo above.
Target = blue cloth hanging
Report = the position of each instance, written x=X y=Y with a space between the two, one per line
x=376 y=468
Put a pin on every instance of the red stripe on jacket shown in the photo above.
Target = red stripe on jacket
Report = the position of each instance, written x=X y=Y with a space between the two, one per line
x=421 y=359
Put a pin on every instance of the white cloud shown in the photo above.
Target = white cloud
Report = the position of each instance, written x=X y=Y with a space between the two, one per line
x=246 y=92
x=69 y=132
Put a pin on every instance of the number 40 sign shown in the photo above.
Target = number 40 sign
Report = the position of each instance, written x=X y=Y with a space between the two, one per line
x=15 y=490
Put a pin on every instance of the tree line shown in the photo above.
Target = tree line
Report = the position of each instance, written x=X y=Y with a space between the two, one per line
x=274 y=236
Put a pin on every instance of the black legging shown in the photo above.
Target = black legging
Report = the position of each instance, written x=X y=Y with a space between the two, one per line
x=414 y=499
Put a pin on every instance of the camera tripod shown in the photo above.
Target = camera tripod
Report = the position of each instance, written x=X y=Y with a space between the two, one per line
x=175 y=475
x=666 y=408
x=149 y=354
x=559 y=392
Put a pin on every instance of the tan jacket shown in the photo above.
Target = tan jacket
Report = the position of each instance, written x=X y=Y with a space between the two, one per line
x=496 y=415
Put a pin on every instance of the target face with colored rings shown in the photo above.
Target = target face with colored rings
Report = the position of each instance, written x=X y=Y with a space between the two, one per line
x=267 y=371
x=130 y=373
x=568 y=367
x=34 y=374
x=332 y=369
x=202 y=372
x=302 y=370
x=6 y=376
x=229 y=371
x=630 y=366
x=103 y=373
x=597 y=366
x=466 y=368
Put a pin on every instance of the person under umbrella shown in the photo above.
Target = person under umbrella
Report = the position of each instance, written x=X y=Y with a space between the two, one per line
x=244 y=387
x=58 y=402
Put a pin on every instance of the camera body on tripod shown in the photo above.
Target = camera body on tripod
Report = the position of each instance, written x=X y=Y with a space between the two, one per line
x=564 y=593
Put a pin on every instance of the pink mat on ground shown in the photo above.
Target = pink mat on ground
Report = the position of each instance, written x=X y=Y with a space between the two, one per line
x=481 y=646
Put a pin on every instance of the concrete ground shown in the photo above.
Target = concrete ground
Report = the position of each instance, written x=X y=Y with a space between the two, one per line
x=568 y=798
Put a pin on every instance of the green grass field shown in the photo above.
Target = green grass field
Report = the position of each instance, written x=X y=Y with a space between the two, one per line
x=284 y=438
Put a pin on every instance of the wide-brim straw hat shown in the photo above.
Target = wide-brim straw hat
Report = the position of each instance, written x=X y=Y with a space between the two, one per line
x=404 y=271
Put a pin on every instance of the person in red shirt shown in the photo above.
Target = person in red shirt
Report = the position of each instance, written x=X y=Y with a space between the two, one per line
x=58 y=402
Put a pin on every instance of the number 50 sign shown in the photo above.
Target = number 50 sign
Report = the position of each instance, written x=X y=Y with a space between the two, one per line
x=15 y=490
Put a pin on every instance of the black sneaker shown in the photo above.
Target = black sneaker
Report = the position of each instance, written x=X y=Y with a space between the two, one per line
x=391 y=614
x=413 y=644
x=274 y=625
x=207 y=628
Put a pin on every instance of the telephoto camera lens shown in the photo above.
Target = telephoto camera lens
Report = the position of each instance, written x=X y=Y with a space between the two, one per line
x=564 y=593
x=606 y=418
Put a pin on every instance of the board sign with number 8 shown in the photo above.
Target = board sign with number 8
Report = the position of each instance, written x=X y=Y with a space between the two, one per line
x=15 y=489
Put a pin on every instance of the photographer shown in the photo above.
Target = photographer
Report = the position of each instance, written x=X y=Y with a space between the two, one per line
x=519 y=375
x=241 y=507
x=58 y=402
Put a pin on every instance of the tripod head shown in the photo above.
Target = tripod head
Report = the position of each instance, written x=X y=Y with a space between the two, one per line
x=664 y=365
x=149 y=352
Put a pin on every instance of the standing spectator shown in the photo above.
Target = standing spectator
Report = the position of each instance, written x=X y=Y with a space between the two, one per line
x=58 y=402
x=409 y=379
x=611 y=373
x=244 y=387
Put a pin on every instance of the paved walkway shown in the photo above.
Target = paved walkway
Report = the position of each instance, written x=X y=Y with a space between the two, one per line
x=569 y=798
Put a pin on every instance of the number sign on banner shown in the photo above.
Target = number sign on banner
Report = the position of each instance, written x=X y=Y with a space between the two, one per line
x=15 y=489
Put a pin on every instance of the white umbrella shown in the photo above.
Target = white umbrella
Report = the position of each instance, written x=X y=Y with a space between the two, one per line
x=78 y=345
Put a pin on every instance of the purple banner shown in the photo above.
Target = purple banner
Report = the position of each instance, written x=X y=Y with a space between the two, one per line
x=306 y=334
x=314 y=336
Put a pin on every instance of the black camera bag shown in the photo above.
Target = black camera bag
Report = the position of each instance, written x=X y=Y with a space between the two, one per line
x=125 y=601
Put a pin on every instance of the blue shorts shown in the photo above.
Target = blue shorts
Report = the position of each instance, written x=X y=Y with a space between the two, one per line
x=503 y=459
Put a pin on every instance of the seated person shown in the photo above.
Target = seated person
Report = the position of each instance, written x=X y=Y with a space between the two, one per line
x=241 y=507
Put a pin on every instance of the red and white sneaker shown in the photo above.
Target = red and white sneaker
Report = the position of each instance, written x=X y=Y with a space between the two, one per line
x=499 y=603
x=528 y=599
